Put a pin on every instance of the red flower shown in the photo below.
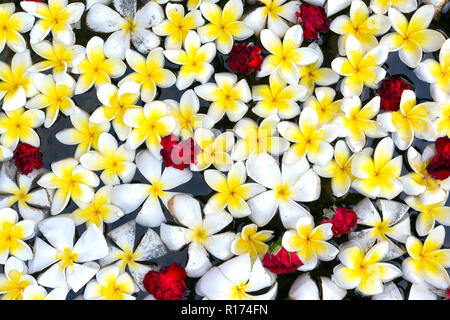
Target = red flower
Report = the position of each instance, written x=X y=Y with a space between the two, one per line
x=447 y=294
x=245 y=58
x=344 y=220
x=390 y=92
x=279 y=260
x=167 y=284
x=313 y=20
x=178 y=154
x=439 y=166
x=26 y=157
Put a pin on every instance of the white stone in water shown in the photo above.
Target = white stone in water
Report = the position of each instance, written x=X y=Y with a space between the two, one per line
x=391 y=292
x=124 y=235
x=151 y=246
x=334 y=6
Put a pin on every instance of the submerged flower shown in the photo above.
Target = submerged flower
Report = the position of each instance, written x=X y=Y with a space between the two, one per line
x=84 y=133
x=129 y=197
x=26 y=158
x=199 y=232
x=390 y=92
x=361 y=67
x=376 y=176
x=167 y=284
x=310 y=242
x=313 y=20
x=293 y=183
x=195 y=60
x=251 y=241
x=245 y=58
x=413 y=37
x=15 y=280
x=58 y=17
x=110 y=284
x=285 y=56
x=410 y=120
x=12 y=25
x=343 y=221
x=427 y=261
x=227 y=95
x=128 y=24
x=224 y=25
x=364 y=270
x=16 y=82
x=214 y=150
x=236 y=279
x=72 y=181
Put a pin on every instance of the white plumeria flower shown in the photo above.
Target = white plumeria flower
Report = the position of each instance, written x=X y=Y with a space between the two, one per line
x=129 y=197
x=58 y=17
x=376 y=176
x=232 y=191
x=194 y=4
x=148 y=73
x=214 y=150
x=98 y=210
x=277 y=98
x=236 y=279
x=323 y=103
x=294 y=182
x=32 y=202
x=149 y=125
x=58 y=56
x=251 y=241
x=186 y=112
x=13 y=234
x=125 y=26
x=72 y=181
x=356 y=121
x=395 y=224
x=427 y=262
x=95 y=68
x=442 y=122
x=312 y=74
x=15 y=280
x=111 y=284
x=410 y=39
x=16 y=82
x=115 y=102
x=310 y=242
x=70 y=266
x=115 y=161
x=390 y=292
x=228 y=95
x=363 y=269
x=338 y=169
x=382 y=6
x=361 y=26
x=84 y=133
x=276 y=13
x=286 y=56
x=37 y=292
x=195 y=60
x=410 y=120
x=54 y=95
x=437 y=73
x=12 y=25
x=256 y=139
x=420 y=183
x=309 y=138
x=124 y=255
x=198 y=231
x=5 y=153
x=428 y=214
x=177 y=25
x=361 y=67
x=224 y=25
x=305 y=288
x=424 y=291
x=90 y=3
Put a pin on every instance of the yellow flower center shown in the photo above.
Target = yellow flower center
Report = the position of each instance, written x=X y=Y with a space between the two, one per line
x=199 y=235
x=282 y=192
x=381 y=228
x=238 y=291
x=67 y=257
x=129 y=26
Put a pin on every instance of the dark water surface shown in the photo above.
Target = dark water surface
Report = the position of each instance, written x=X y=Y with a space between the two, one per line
x=53 y=150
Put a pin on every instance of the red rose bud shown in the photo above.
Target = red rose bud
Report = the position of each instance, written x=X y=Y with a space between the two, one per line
x=178 y=154
x=167 y=284
x=313 y=20
x=279 y=260
x=245 y=58
x=344 y=220
x=390 y=92
x=26 y=157
x=439 y=166
x=447 y=294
